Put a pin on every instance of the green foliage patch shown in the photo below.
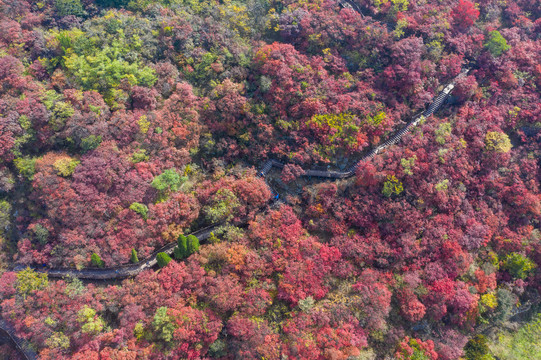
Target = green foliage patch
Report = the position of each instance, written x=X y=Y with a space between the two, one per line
x=392 y=186
x=90 y=323
x=443 y=132
x=477 y=349
x=496 y=43
x=518 y=265
x=29 y=280
x=102 y=58
x=26 y=167
x=163 y=325
x=222 y=206
x=69 y=7
x=167 y=182
x=134 y=258
x=90 y=142
x=97 y=261
x=186 y=246
x=139 y=208
x=163 y=259
x=65 y=166
x=522 y=344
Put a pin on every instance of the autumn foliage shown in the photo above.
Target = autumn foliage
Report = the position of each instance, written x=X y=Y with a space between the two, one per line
x=127 y=125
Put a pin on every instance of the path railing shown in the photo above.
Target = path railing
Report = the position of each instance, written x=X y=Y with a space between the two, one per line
x=22 y=346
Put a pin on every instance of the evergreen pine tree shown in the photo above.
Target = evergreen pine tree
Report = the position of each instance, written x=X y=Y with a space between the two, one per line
x=134 y=259
x=193 y=244
x=181 y=251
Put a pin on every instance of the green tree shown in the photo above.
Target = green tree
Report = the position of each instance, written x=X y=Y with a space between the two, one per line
x=342 y=130
x=399 y=5
x=74 y=287
x=442 y=185
x=181 y=251
x=105 y=69
x=41 y=234
x=443 y=132
x=139 y=330
x=91 y=324
x=218 y=349
x=65 y=166
x=496 y=43
x=59 y=109
x=498 y=142
x=134 y=259
x=506 y=301
x=202 y=71
x=144 y=124
x=163 y=325
x=167 y=182
x=518 y=265
x=163 y=259
x=477 y=349
x=5 y=214
x=222 y=206
x=29 y=280
x=193 y=244
x=26 y=167
x=97 y=261
x=265 y=83
x=140 y=156
x=408 y=164
x=306 y=305
x=90 y=142
x=140 y=209
x=58 y=341
x=392 y=186
x=69 y=7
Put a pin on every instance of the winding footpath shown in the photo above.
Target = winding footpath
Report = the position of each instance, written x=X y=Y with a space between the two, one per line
x=21 y=345
x=130 y=270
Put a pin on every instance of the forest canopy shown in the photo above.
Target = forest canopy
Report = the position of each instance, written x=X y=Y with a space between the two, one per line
x=128 y=125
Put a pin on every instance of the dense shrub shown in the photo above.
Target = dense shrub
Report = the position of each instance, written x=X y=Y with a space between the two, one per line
x=69 y=7
x=496 y=43
x=163 y=259
x=97 y=261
